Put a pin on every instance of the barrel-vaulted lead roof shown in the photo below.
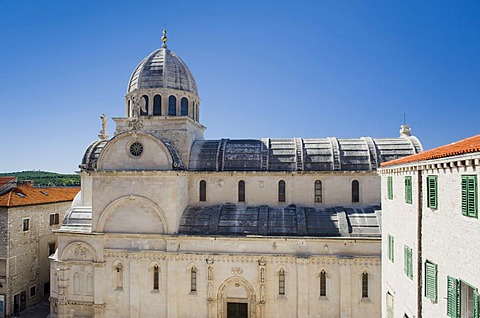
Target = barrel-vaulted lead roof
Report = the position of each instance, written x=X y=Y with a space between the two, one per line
x=297 y=154
x=162 y=69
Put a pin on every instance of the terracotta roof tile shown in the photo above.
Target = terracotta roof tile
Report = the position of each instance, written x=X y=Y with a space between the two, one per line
x=5 y=180
x=28 y=195
x=464 y=146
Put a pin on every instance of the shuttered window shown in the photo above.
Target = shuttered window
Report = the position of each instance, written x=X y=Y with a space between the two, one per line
x=390 y=188
x=453 y=297
x=390 y=248
x=408 y=189
x=408 y=266
x=432 y=193
x=469 y=195
x=431 y=281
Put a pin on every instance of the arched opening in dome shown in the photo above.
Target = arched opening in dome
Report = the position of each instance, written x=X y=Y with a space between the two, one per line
x=129 y=112
x=184 y=107
x=172 y=106
x=144 y=111
x=355 y=191
x=157 y=105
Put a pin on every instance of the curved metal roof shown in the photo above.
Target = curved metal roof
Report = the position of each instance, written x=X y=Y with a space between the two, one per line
x=293 y=220
x=162 y=69
x=297 y=154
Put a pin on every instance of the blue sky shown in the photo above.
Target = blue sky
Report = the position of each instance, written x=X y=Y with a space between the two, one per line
x=263 y=69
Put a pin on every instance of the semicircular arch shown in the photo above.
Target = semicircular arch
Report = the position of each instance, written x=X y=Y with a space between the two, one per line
x=79 y=251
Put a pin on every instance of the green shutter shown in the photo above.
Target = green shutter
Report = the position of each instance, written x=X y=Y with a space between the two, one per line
x=431 y=281
x=390 y=248
x=469 y=196
x=408 y=189
x=390 y=188
x=432 y=192
x=408 y=262
x=453 y=297
x=475 y=303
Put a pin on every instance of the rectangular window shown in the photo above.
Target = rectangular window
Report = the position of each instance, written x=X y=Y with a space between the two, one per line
x=469 y=195
x=408 y=189
x=391 y=243
x=408 y=265
x=54 y=218
x=25 y=225
x=389 y=305
x=432 y=192
x=390 y=188
x=431 y=281
x=193 y=279
x=52 y=246
x=33 y=291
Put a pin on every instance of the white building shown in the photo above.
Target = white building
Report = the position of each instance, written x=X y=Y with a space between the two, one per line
x=168 y=224
x=430 y=261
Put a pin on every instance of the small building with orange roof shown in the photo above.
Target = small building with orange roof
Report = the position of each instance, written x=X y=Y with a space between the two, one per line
x=28 y=215
x=430 y=227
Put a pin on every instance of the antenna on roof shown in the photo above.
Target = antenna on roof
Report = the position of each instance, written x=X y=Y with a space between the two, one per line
x=405 y=129
x=404 y=119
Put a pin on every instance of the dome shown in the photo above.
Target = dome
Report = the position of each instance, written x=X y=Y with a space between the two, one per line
x=162 y=69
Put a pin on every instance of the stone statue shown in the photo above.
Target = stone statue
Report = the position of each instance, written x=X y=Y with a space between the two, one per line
x=103 y=133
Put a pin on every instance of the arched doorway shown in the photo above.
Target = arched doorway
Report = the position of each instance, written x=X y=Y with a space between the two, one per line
x=236 y=299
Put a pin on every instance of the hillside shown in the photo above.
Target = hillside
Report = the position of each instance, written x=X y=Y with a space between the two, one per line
x=46 y=179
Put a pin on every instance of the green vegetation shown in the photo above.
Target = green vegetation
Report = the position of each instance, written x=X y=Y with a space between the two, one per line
x=46 y=179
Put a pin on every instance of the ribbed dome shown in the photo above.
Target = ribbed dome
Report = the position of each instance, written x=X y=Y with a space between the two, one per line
x=162 y=69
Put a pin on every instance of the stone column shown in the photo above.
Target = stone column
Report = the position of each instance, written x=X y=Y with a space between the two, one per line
x=346 y=290
x=98 y=300
x=134 y=288
x=172 y=285
x=63 y=273
x=302 y=289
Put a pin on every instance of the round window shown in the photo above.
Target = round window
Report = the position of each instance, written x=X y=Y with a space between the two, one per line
x=136 y=149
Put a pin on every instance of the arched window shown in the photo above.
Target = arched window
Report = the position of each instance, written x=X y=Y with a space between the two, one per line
x=144 y=110
x=281 y=282
x=365 y=285
x=184 y=107
x=203 y=190
x=172 y=106
x=355 y=191
x=281 y=191
x=156 y=277
x=318 y=191
x=323 y=284
x=241 y=191
x=157 y=105
x=193 y=279
x=89 y=284
x=128 y=109
x=118 y=276
x=76 y=284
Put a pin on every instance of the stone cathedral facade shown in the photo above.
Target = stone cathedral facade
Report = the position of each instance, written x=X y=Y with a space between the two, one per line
x=168 y=224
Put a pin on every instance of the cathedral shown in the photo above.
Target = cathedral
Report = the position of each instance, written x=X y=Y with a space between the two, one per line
x=170 y=224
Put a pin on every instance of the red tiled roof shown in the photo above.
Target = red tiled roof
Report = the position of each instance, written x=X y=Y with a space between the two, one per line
x=28 y=195
x=464 y=146
x=5 y=180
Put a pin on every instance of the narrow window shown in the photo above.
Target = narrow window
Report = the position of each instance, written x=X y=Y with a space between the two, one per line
x=408 y=266
x=453 y=297
x=118 y=276
x=129 y=111
x=432 y=194
x=76 y=283
x=281 y=282
x=469 y=196
x=25 y=225
x=355 y=191
x=144 y=109
x=203 y=190
x=408 y=189
x=89 y=284
x=54 y=218
x=184 y=107
x=389 y=305
x=391 y=243
x=52 y=246
x=193 y=279
x=318 y=191
x=33 y=291
x=172 y=106
x=390 y=188
x=281 y=191
x=323 y=284
x=155 y=277
x=431 y=281
x=365 y=285
x=241 y=191
x=157 y=105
